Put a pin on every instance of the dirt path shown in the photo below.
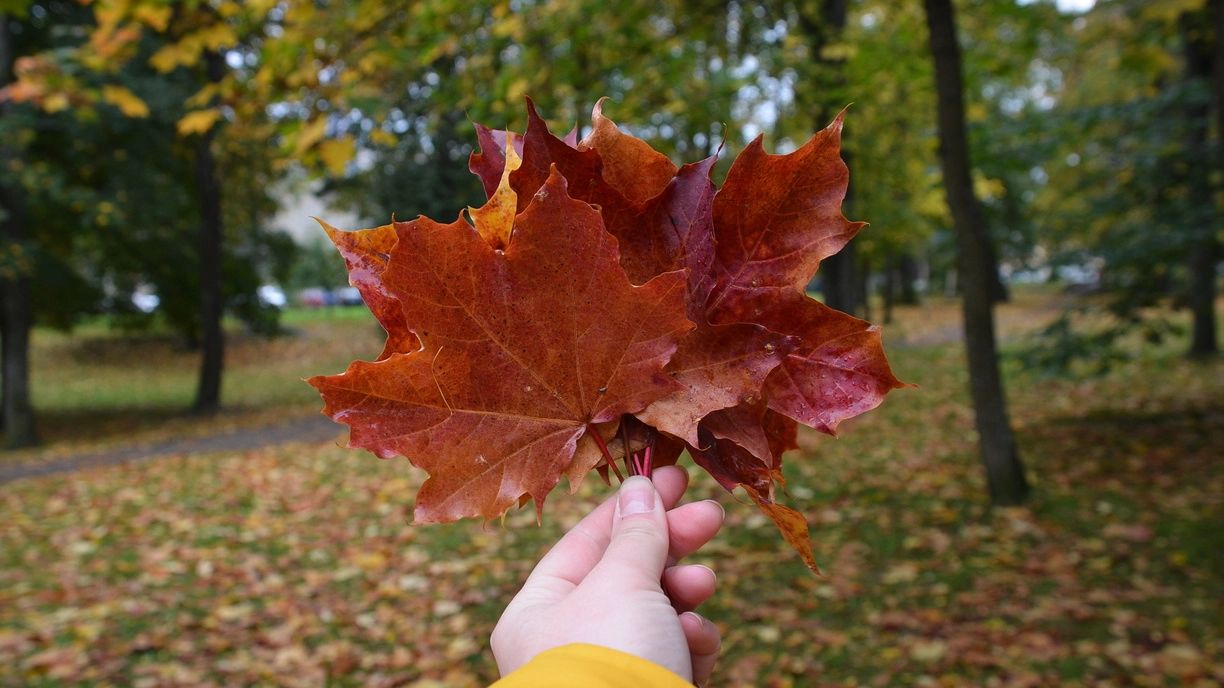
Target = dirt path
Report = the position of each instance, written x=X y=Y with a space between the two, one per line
x=313 y=428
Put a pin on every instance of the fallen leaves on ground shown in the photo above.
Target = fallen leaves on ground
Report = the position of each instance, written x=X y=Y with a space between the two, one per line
x=298 y=566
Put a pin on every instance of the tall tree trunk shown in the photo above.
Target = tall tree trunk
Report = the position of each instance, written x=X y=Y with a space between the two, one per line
x=838 y=279
x=16 y=312
x=999 y=293
x=1205 y=61
x=1004 y=471
x=212 y=294
x=839 y=272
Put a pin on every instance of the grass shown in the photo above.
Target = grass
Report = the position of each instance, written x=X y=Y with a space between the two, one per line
x=97 y=387
x=298 y=566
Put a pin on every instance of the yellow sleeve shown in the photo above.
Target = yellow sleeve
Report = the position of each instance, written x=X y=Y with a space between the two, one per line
x=590 y=666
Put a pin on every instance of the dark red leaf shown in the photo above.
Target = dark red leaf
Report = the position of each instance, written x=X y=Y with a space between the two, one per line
x=673 y=230
x=521 y=351
x=717 y=366
x=488 y=162
x=838 y=370
x=775 y=219
x=582 y=169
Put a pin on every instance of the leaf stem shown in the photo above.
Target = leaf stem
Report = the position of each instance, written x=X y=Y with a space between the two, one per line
x=624 y=433
x=603 y=447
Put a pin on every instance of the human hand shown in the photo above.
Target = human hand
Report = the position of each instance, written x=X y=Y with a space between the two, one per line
x=612 y=580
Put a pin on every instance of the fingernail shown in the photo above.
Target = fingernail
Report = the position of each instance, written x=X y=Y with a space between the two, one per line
x=718 y=504
x=637 y=496
x=696 y=617
x=707 y=568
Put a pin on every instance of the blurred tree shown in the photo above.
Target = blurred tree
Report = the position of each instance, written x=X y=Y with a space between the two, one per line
x=1205 y=272
x=127 y=177
x=1196 y=29
x=16 y=314
x=666 y=70
x=316 y=266
x=1131 y=149
x=1004 y=471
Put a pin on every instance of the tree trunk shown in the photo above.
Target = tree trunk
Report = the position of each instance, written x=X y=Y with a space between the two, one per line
x=999 y=293
x=839 y=281
x=1004 y=471
x=862 y=287
x=1204 y=62
x=889 y=288
x=212 y=295
x=908 y=294
x=838 y=273
x=16 y=312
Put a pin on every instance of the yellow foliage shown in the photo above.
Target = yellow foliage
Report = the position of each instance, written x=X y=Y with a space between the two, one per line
x=188 y=49
x=510 y=26
x=128 y=103
x=260 y=8
x=372 y=63
x=311 y=134
x=202 y=97
x=107 y=45
x=383 y=137
x=198 y=121
x=228 y=9
x=171 y=56
x=1170 y=10
x=516 y=91
x=336 y=153
x=55 y=102
x=216 y=36
x=156 y=17
x=837 y=52
x=988 y=189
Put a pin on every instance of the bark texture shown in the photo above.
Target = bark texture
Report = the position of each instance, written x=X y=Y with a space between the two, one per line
x=1205 y=60
x=16 y=311
x=211 y=237
x=1004 y=470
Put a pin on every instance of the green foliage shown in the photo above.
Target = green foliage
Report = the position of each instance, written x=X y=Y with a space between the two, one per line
x=110 y=198
x=1123 y=154
x=1069 y=347
x=317 y=265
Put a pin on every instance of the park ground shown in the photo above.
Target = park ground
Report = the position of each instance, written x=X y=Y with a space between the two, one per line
x=298 y=565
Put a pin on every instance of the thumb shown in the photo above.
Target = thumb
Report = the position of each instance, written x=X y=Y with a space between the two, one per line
x=638 y=550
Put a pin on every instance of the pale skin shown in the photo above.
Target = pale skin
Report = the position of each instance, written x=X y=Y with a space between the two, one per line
x=613 y=580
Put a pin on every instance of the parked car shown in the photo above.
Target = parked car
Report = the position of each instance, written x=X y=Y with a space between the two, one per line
x=314 y=297
x=347 y=296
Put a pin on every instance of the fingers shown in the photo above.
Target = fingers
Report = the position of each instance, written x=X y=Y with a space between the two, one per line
x=579 y=550
x=671 y=482
x=637 y=552
x=691 y=526
x=689 y=586
x=704 y=641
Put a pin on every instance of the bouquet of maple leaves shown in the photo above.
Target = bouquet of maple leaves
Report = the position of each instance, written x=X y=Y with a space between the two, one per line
x=605 y=307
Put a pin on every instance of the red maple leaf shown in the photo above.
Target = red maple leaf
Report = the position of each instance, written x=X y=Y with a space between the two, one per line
x=546 y=359
x=521 y=351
